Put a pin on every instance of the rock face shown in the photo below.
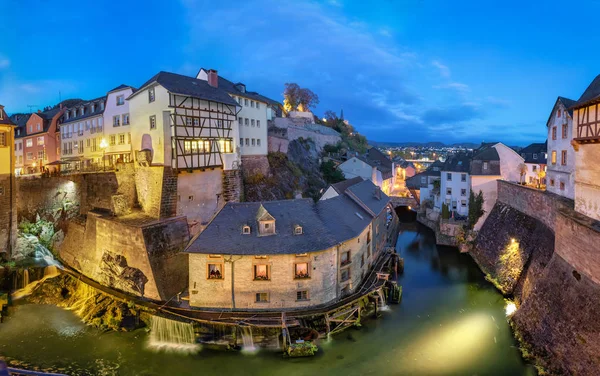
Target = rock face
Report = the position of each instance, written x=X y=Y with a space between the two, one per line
x=115 y=273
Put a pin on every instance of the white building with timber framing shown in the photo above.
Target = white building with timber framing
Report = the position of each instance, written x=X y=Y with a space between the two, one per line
x=187 y=125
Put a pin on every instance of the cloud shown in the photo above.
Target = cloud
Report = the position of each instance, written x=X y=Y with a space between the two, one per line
x=17 y=94
x=458 y=86
x=451 y=115
x=335 y=3
x=444 y=70
x=4 y=62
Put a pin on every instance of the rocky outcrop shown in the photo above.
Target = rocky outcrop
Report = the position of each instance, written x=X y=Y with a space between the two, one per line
x=115 y=273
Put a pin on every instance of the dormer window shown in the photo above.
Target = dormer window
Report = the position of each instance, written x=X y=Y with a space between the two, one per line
x=298 y=230
x=266 y=222
x=246 y=230
x=101 y=106
x=93 y=108
x=534 y=156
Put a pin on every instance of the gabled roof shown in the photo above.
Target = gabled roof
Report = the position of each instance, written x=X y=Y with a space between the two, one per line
x=377 y=155
x=188 y=86
x=369 y=196
x=590 y=95
x=121 y=87
x=457 y=163
x=488 y=153
x=539 y=149
x=88 y=112
x=567 y=104
x=5 y=119
x=343 y=217
x=341 y=186
x=263 y=214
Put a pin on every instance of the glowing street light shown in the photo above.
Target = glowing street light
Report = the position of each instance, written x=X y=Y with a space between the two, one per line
x=103 y=146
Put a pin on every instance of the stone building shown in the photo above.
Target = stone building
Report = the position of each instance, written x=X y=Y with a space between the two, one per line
x=586 y=135
x=535 y=156
x=374 y=166
x=455 y=184
x=8 y=213
x=41 y=140
x=560 y=173
x=291 y=253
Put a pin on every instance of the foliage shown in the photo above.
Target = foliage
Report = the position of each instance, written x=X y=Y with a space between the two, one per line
x=445 y=211
x=328 y=148
x=522 y=170
x=298 y=99
x=475 y=208
x=41 y=229
x=436 y=184
x=330 y=173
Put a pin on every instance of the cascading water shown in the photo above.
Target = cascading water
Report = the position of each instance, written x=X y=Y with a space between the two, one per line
x=25 y=278
x=171 y=335
x=28 y=287
x=247 y=340
x=382 y=303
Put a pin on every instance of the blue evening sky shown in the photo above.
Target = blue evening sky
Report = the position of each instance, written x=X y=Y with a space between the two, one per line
x=402 y=70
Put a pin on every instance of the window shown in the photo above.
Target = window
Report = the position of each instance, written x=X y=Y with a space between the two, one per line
x=40 y=141
x=362 y=260
x=29 y=142
x=258 y=124
x=463 y=177
x=448 y=191
x=258 y=142
x=116 y=121
x=151 y=95
x=120 y=101
x=39 y=128
x=87 y=142
x=261 y=272
x=29 y=156
x=345 y=258
x=125 y=119
x=112 y=140
x=485 y=165
x=368 y=237
x=463 y=203
x=101 y=106
x=563 y=157
x=448 y=176
x=267 y=227
x=302 y=295
x=562 y=186
x=554 y=133
x=253 y=142
x=196 y=122
x=301 y=270
x=241 y=142
x=246 y=121
x=246 y=230
x=262 y=297
x=247 y=142
x=252 y=122
x=463 y=192
x=41 y=155
x=246 y=104
x=94 y=106
x=81 y=147
x=345 y=274
x=534 y=155
x=423 y=180
x=534 y=168
x=153 y=122
x=122 y=139
x=257 y=105
x=554 y=157
x=552 y=182
x=298 y=230
x=3 y=142
x=215 y=271
x=565 y=130
x=241 y=121
x=188 y=121
x=558 y=113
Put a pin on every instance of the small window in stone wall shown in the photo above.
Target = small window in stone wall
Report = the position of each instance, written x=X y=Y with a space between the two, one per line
x=246 y=230
x=552 y=182
x=1 y=190
x=215 y=271
x=191 y=198
x=302 y=295
x=261 y=272
x=301 y=270
x=345 y=275
x=562 y=186
x=345 y=258
x=262 y=297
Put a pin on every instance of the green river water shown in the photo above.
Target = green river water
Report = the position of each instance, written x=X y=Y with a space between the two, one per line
x=450 y=322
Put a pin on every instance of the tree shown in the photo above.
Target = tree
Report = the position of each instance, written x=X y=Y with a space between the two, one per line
x=330 y=117
x=475 y=208
x=330 y=173
x=298 y=99
x=522 y=171
x=541 y=174
x=445 y=211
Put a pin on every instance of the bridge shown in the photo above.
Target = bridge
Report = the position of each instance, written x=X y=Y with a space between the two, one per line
x=403 y=201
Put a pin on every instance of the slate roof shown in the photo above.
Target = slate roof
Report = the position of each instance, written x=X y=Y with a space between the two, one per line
x=539 y=149
x=121 y=87
x=88 y=113
x=457 y=163
x=190 y=86
x=20 y=121
x=493 y=168
x=224 y=235
x=487 y=154
x=591 y=94
x=369 y=196
x=324 y=224
x=566 y=102
x=341 y=187
x=5 y=119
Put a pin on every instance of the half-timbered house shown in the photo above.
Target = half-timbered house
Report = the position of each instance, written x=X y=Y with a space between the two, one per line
x=586 y=142
x=188 y=126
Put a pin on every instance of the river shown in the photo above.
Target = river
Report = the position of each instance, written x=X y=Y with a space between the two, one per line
x=450 y=322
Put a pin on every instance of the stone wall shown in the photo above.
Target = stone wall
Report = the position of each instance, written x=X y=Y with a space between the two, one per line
x=149 y=187
x=133 y=254
x=8 y=213
x=232 y=185
x=253 y=164
x=540 y=205
x=278 y=144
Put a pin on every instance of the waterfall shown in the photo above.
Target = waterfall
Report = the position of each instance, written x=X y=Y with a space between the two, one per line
x=247 y=339
x=28 y=287
x=80 y=301
x=383 y=305
x=171 y=335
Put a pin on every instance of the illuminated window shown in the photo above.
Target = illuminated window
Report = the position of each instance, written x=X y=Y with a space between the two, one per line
x=301 y=270
x=215 y=271
x=29 y=142
x=122 y=139
x=262 y=297
x=302 y=295
x=112 y=140
x=261 y=272
x=40 y=141
x=554 y=157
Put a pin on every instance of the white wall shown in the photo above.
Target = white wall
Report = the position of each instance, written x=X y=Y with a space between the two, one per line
x=329 y=193
x=509 y=162
x=256 y=132
x=557 y=172
x=488 y=185
x=354 y=167
x=456 y=197
x=111 y=110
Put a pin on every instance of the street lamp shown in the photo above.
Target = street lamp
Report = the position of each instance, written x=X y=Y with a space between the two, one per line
x=103 y=146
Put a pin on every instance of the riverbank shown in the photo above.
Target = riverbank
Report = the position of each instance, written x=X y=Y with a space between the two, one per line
x=450 y=322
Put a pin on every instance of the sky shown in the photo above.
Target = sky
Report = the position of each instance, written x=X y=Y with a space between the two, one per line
x=402 y=70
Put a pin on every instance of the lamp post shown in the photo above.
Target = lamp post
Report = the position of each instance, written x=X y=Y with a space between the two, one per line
x=103 y=146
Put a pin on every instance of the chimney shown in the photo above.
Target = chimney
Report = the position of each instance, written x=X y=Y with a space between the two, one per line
x=39 y=111
x=60 y=106
x=213 y=78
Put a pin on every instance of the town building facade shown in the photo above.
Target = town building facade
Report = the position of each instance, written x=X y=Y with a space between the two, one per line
x=8 y=214
x=41 y=141
x=374 y=166
x=586 y=136
x=20 y=121
x=291 y=253
x=117 y=126
x=534 y=157
x=82 y=134
x=560 y=171
x=455 y=185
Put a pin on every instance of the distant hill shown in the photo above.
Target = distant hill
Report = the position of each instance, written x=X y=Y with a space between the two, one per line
x=469 y=145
